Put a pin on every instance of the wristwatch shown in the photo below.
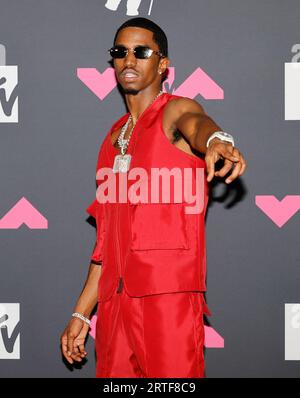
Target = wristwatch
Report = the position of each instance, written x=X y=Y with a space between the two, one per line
x=222 y=136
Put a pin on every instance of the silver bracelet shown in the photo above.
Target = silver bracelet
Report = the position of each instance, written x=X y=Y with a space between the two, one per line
x=83 y=318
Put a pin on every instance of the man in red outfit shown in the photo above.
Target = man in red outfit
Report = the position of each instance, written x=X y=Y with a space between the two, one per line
x=148 y=266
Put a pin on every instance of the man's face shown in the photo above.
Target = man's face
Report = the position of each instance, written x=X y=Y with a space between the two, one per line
x=145 y=70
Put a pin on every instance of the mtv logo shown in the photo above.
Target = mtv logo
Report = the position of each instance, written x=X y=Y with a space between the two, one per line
x=10 y=331
x=132 y=6
x=292 y=91
x=292 y=332
x=8 y=90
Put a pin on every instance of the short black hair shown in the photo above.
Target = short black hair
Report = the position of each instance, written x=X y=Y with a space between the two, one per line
x=159 y=36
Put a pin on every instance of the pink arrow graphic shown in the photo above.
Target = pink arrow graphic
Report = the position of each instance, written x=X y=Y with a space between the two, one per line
x=212 y=338
x=23 y=213
x=199 y=82
x=93 y=327
x=278 y=211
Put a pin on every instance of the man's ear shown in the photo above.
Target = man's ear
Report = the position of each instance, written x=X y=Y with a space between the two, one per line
x=164 y=63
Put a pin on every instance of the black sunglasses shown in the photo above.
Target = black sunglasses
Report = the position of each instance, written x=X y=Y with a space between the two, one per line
x=140 y=52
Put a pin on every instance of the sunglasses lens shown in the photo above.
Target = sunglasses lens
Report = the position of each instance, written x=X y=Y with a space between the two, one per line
x=143 y=52
x=118 y=52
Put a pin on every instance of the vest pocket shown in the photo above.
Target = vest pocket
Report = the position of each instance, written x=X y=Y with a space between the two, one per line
x=158 y=226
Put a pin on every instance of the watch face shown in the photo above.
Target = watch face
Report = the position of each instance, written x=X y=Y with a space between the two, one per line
x=226 y=135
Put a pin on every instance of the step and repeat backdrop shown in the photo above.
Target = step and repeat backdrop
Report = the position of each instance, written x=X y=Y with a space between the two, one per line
x=58 y=98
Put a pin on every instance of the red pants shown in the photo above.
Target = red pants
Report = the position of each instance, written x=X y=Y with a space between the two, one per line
x=160 y=335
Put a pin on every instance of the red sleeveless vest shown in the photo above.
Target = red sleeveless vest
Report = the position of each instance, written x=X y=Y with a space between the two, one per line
x=150 y=248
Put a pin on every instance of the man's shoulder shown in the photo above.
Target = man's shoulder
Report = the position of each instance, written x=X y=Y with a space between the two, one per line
x=178 y=106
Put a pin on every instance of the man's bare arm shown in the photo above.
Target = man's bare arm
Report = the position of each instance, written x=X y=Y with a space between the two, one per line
x=74 y=335
x=190 y=119
x=89 y=295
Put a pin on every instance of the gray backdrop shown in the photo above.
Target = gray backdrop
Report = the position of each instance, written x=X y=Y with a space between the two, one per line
x=49 y=157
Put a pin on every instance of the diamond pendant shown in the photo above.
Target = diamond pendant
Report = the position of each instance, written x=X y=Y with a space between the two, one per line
x=121 y=163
